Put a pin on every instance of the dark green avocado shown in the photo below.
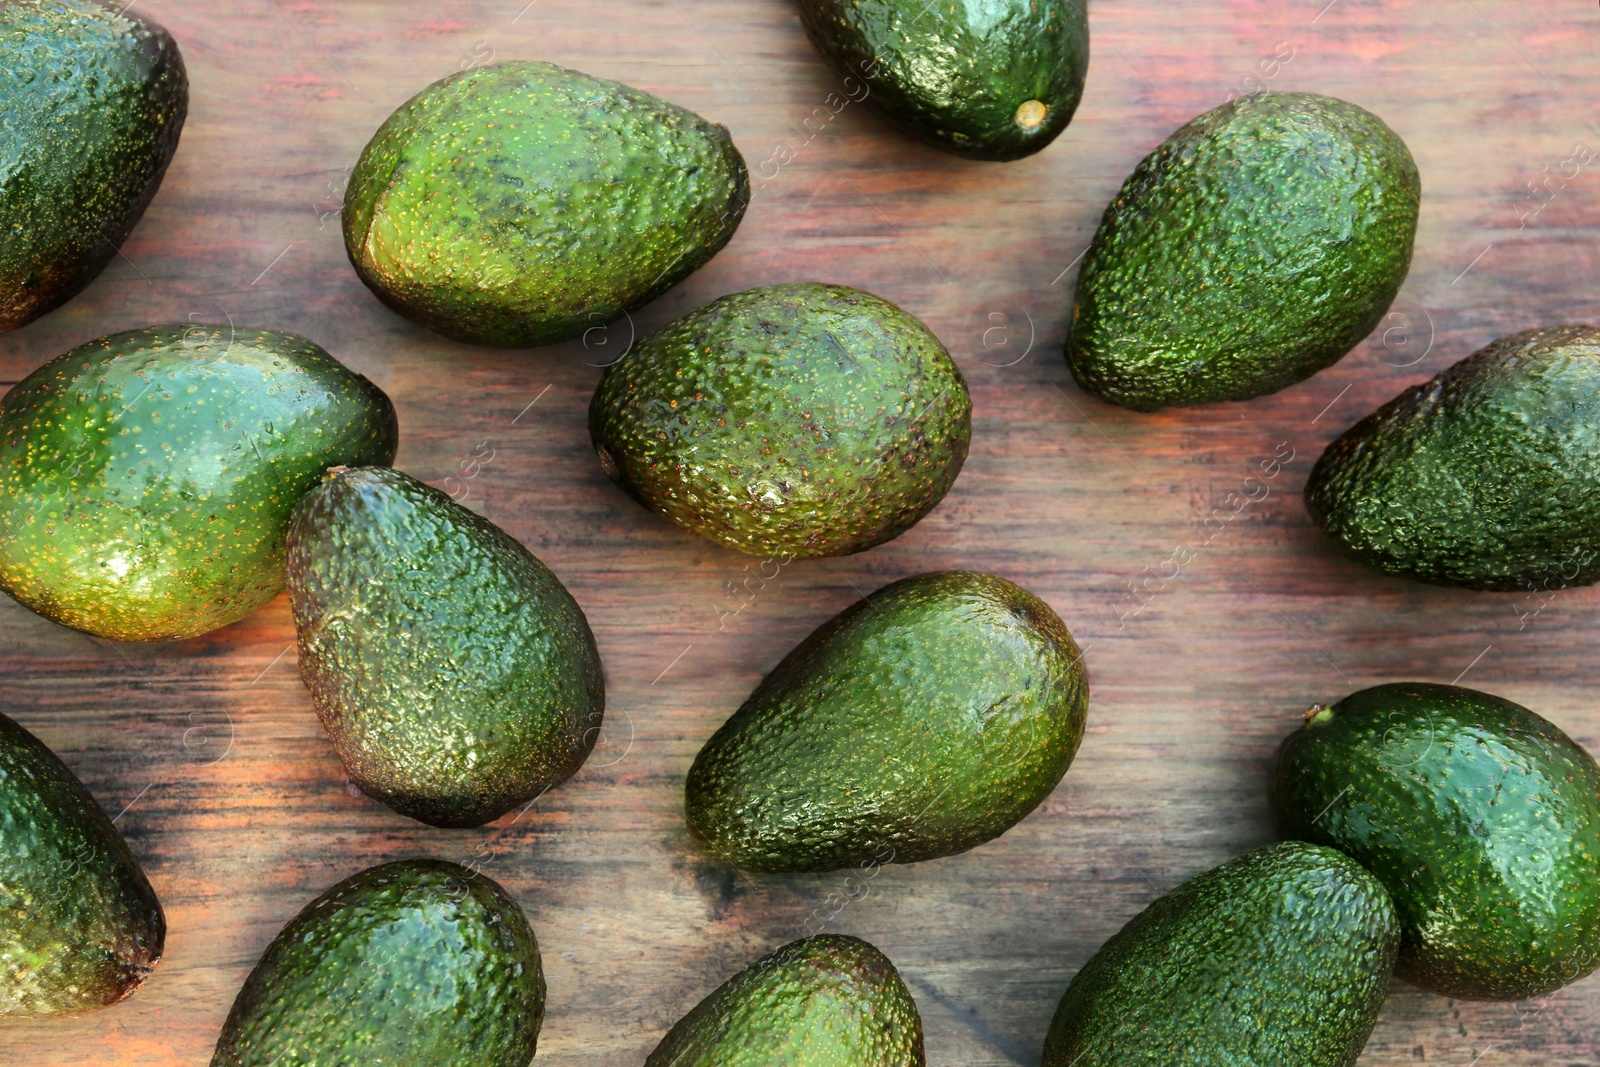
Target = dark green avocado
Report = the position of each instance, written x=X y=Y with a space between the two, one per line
x=522 y=203
x=922 y=721
x=826 y=1001
x=146 y=478
x=1280 y=958
x=793 y=420
x=1256 y=246
x=1487 y=476
x=92 y=99
x=80 y=927
x=996 y=80
x=455 y=675
x=1481 y=818
x=419 y=963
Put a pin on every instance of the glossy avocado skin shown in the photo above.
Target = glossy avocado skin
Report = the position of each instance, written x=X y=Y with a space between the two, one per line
x=922 y=721
x=997 y=80
x=825 y=1001
x=1481 y=818
x=454 y=673
x=1486 y=476
x=522 y=203
x=92 y=100
x=80 y=927
x=793 y=420
x=1256 y=246
x=418 y=963
x=146 y=478
x=1281 y=956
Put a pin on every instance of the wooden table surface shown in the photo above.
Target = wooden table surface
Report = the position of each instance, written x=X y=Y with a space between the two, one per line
x=208 y=752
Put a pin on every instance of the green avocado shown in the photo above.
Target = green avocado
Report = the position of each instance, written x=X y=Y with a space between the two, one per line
x=80 y=927
x=522 y=203
x=419 y=963
x=454 y=673
x=92 y=99
x=1254 y=247
x=826 y=1001
x=793 y=420
x=1481 y=818
x=1280 y=958
x=146 y=478
x=1487 y=476
x=922 y=721
x=995 y=80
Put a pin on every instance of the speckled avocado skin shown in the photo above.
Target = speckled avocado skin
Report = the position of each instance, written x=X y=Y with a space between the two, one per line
x=418 y=963
x=922 y=721
x=522 y=203
x=146 y=478
x=1481 y=818
x=1256 y=246
x=826 y=1001
x=80 y=927
x=996 y=80
x=793 y=420
x=1486 y=476
x=1280 y=957
x=455 y=675
x=92 y=99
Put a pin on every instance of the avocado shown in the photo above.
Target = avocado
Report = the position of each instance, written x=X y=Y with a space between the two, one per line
x=92 y=100
x=1481 y=819
x=793 y=420
x=928 y=718
x=1486 y=476
x=825 y=1001
x=455 y=675
x=146 y=478
x=420 y=962
x=997 y=80
x=1254 y=247
x=1280 y=957
x=522 y=203
x=80 y=927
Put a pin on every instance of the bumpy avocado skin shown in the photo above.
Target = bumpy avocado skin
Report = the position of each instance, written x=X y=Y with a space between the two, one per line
x=146 y=478
x=997 y=80
x=922 y=721
x=1256 y=246
x=793 y=420
x=80 y=927
x=1279 y=957
x=454 y=673
x=825 y=1001
x=1481 y=818
x=1487 y=476
x=522 y=203
x=418 y=963
x=92 y=99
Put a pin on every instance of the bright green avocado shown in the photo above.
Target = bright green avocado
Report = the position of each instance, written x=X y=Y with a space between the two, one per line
x=418 y=963
x=1481 y=818
x=793 y=420
x=1486 y=476
x=522 y=203
x=922 y=721
x=454 y=673
x=146 y=478
x=827 y=1001
x=1280 y=958
x=80 y=927
x=1256 y=246
x=993 y=80
x=92 y=99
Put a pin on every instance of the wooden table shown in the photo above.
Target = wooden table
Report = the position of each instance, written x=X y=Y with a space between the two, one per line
x=236 y=805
